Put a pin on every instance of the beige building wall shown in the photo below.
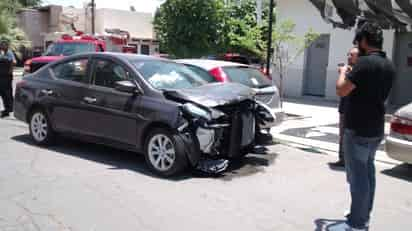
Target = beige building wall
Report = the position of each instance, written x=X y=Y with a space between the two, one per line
x=138 y=24
x=34 y=24
x=50 y=22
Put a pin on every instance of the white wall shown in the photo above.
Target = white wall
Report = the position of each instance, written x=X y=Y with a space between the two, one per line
x=306 y=16
x=138 y=24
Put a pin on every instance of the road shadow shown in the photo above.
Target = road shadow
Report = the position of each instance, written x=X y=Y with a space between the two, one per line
x=119 y=159
x=249 y=165
x=403 y=172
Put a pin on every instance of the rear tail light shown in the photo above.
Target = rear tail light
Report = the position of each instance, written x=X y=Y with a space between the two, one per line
x=401 y=125
x=265 y=72
x=219 y=74
x=27 y=66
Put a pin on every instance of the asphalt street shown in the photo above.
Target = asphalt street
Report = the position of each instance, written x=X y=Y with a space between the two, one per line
x=81 y=186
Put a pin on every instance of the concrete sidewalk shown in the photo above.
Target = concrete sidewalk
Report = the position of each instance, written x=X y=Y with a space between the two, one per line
x=314 y=123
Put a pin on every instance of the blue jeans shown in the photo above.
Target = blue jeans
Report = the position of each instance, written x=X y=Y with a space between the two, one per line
x=360 y=170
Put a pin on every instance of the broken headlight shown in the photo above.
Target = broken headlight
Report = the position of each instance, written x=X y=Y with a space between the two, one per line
x=196 y=111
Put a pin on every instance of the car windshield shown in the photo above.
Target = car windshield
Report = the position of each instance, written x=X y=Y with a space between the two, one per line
x=67 y=49
x=168 y=75
x=250 y=77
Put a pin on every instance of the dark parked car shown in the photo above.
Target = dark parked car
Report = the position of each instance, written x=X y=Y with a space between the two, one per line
x=144 y=104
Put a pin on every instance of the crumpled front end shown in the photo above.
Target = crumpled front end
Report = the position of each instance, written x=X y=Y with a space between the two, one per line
x=221 y=122
x=223 y=132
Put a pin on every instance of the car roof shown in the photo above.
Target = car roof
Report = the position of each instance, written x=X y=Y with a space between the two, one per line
x=124 y=56
x=208 y=64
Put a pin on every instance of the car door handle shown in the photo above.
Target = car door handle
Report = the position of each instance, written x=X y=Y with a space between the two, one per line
x=47 y=92
x=90 y=99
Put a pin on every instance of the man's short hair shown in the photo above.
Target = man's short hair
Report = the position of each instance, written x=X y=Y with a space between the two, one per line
x=4 y=43
x=370 y=31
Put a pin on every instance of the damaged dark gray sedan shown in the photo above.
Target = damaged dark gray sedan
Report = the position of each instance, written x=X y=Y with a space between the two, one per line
x=143 y=104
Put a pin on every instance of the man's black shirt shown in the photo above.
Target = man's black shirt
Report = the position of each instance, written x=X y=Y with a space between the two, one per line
x=6 y=74
x=5 y=67
x=373 y=76
x=342 y=105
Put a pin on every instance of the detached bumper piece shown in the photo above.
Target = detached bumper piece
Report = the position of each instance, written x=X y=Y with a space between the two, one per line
x=212 y=166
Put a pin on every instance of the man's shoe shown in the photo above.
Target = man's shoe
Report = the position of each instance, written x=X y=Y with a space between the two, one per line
x=343 y=227
x=339 y=163
x=4 y=114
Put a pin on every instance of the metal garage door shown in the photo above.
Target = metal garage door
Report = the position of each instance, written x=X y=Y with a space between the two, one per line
x=317 y=58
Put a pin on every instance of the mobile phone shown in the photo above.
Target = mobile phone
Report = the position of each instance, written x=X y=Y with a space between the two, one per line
x=341 y=64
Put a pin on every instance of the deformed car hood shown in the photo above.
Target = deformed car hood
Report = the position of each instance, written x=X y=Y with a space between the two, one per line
x=213 y=95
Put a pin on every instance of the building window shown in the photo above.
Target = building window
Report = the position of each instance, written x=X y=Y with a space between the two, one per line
x=145 y=49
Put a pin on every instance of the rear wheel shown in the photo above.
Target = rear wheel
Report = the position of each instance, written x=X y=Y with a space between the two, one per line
x=40 y=128
x=164 y=155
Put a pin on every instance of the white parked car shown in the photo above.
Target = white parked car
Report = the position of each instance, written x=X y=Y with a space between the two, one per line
x=399 y=142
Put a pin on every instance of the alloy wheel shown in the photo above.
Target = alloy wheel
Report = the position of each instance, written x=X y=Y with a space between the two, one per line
x=161 y=151
x=39 y=127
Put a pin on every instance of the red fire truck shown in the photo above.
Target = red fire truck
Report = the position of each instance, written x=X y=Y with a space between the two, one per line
x=69 y=45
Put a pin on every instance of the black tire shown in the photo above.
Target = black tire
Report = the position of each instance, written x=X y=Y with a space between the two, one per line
x=180 y=161
x=47 y=136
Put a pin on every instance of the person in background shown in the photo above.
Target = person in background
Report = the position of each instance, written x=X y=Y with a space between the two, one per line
x=367 y=87
x=7 y=61
x=353 y=56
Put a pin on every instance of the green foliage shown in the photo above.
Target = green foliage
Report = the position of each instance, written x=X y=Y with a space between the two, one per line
x=188 y=28
x=241 y=32
x=30 y=3
x=192 y=28
x=4 y=26
x=8 y=25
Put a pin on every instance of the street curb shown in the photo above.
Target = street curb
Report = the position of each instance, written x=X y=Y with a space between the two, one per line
x=325 y=146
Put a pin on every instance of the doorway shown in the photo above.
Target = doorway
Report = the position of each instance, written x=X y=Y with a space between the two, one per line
x=145 y=49
x=317 y=59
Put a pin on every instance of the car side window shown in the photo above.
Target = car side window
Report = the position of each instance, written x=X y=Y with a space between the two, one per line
x=107 y=73
x=75 y=70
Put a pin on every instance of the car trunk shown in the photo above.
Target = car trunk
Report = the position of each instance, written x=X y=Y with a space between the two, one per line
x=401 y=124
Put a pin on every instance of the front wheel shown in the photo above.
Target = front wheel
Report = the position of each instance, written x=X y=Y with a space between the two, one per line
x=164 y=155
x=40 y=128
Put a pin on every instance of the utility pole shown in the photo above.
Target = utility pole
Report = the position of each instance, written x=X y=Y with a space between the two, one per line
x=269 y=48
x=93 y=17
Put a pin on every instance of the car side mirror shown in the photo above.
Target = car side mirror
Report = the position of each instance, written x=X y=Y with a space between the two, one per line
x=127 y=87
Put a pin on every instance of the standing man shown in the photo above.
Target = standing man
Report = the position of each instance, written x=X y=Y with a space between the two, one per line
x=367 y=87
x=353 y=56
x=7 y=61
